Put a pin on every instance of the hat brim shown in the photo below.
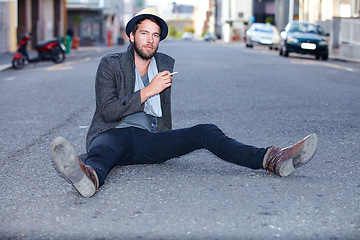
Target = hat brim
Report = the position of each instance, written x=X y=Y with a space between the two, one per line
x=130 y=25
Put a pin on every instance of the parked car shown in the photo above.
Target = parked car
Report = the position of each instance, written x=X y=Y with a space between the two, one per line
x=262 y=34
x=304 y=38
x=209 y=37
x=187 y=36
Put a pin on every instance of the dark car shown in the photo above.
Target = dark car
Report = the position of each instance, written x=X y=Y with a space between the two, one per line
x=304 y=38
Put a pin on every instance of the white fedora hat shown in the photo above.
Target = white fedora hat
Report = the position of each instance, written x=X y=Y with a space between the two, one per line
x=144 y=14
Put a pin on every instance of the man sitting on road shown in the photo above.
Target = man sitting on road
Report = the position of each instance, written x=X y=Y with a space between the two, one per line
x=132 y=120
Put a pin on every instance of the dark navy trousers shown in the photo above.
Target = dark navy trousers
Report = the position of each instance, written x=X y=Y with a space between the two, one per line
x=125 y=146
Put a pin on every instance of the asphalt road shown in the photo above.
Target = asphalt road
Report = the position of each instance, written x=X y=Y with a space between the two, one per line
x=254 y=95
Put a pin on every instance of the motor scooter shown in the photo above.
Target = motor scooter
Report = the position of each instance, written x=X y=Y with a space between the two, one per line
x=52 y=50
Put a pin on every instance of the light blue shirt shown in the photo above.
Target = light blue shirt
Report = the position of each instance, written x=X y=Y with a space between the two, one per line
x=140 y=119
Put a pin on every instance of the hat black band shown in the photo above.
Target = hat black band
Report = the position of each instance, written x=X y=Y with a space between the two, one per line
x=135 y=20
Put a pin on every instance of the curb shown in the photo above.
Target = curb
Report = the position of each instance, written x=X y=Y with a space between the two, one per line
x=343 y=59
x=5 y=66
x=72 y=54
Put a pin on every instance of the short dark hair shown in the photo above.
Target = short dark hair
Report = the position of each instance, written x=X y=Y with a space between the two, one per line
x=153 y=19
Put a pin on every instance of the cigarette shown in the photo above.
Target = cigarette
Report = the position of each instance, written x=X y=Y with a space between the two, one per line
x=173 y=73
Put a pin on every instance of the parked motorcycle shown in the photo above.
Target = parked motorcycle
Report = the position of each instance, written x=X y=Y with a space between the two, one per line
x=52 y=50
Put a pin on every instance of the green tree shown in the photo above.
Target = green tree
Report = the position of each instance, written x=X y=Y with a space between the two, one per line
x=172 y=31
x=77 y=21
x=269 y=20
x=189 y=28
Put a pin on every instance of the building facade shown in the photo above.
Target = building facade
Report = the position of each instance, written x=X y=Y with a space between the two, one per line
x=8 y=26
x=93 y=21
x=98 y=22
x=42 y=19
x=86 y=20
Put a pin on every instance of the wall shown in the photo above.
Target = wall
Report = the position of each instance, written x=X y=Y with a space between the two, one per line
x=344 y=40
x=8 y=26
x=350 y=37
x=47 y=20
x=234 y=14
x=4 y=26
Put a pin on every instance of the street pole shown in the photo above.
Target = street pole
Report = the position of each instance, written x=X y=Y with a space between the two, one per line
x=291 y=10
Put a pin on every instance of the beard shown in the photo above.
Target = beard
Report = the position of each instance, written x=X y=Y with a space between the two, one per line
x=142 y=53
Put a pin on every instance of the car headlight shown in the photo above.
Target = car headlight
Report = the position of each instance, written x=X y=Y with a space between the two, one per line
x=292 y=40
x=323 y=43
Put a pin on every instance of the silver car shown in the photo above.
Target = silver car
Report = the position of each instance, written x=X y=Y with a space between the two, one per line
x=263 y=34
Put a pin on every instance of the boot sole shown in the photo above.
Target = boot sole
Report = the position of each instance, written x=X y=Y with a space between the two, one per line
x=67 y=162
x=286 y=168
x=301 y=157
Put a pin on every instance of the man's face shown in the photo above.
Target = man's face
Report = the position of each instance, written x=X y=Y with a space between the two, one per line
x=146 y=39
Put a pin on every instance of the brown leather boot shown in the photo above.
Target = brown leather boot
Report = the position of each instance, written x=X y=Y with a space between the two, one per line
x=83 y=177
x=283 y=161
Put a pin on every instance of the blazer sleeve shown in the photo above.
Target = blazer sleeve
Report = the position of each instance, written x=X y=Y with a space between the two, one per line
x=114 y=103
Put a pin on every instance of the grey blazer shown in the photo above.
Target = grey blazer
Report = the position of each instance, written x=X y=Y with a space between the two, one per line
x=115 y=96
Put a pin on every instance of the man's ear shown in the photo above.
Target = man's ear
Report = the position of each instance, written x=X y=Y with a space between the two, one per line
x=131 y=37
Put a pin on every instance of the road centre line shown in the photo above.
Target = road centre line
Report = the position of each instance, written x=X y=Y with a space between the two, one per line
x=66 y=65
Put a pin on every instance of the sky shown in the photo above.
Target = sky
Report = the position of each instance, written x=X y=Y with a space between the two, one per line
x=190 y=2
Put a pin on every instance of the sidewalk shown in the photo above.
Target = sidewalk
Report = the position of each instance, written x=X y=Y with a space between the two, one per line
x=6 y=58
x=336 y=55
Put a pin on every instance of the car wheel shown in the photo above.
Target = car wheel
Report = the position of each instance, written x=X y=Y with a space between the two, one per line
x=325 y=57
x=317 y=57
x=280 y=52
x=285 y=52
